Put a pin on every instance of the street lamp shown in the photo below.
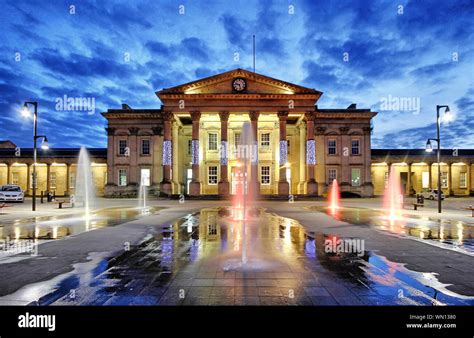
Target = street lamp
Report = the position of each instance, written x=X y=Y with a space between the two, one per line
x=447 y=117
x=26 y=113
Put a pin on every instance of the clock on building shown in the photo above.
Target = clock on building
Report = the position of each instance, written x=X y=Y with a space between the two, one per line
x=239 y=84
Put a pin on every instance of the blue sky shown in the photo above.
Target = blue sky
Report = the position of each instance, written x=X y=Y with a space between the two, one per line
x=360 y=52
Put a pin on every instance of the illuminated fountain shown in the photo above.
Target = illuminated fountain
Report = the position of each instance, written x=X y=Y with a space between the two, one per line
x=84 y=190
x=334 y=196
x=142 y=194
x=393 y=197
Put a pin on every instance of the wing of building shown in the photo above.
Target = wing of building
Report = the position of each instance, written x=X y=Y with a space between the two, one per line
x=190 y=146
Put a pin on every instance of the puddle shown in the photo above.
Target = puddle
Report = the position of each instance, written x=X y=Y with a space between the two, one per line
x=207 y=258
x=453 y=235
x=56 y=227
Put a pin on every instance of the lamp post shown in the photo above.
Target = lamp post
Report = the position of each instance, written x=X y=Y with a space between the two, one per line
x=429 y=147
x=44 y=145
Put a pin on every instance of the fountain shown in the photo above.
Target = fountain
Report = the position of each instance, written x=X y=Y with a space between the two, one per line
x=334 y=198
x=84 y=190
x=142 y=193
x=393 y=197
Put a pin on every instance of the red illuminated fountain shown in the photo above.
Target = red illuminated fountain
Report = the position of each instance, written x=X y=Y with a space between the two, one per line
x=334 y=197
x=393 y=197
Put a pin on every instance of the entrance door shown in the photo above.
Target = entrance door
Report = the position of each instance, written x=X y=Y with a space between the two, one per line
x=288 y=177
x=237 y=179
x=145 y=177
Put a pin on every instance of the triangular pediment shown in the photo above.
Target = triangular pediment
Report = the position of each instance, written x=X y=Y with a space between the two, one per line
x=222 y=84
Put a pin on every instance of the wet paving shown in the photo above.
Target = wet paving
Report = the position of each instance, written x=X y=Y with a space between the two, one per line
x=57 y=227
x=449 y=234
x=208 y=258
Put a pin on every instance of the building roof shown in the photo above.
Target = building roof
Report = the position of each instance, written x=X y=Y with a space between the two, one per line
x=53 y=152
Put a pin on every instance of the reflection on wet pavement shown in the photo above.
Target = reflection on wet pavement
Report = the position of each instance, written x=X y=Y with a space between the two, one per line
x=209 y=259
x=455 y=235
x=56 y=227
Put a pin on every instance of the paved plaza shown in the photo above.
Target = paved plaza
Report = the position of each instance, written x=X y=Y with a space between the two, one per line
x=197 y=253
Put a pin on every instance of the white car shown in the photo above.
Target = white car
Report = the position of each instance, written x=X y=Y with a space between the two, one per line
x=432 y=194
x=11 y=193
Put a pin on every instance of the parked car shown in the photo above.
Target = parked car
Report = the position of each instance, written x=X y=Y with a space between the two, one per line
x=11 y=193
x=431 y=194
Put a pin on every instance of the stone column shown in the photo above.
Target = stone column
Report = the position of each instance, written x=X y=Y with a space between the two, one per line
x=68 y=173
x=134 y=149
x=369 y=186
x=450 y=179
x=175 y=172
x=28 y=179
x=223 y=186
x=165 y=185
x=430 y=185
x=111 y=153
x=283 y=186
x=311 y=185
x=195 y=185
x=409 y=183
x=48 y=177
x=254 y=187
x=302 y=156
x=157 y=148
x=9 y=173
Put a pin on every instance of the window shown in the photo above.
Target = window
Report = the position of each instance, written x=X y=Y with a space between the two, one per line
x=463 y=180
x=288 y=146
x=444 y=180
x=15 y=178
x=122 y=177
x=145 y=147
x=212 y=175
x=332 y=147
x=52 y=181
x=190 y=147
x=212 y=229
x=355 y=177
x=212 y=141
x=425 y=180
x=122 y=147
x=385 y=179
x=265 y=140
x=237 y=139
x=72 y=181
x=332 y=175
x=265 y=174
x=355 y=147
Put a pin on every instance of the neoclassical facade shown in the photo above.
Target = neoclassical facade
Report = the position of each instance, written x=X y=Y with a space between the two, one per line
x=190 y=145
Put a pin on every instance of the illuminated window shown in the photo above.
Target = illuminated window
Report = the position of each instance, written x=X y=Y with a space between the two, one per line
x=122 y=147
x=332 y=175
x=212 y=175
x=463 y=180
x=444 y=180
x=355 y=177
x=72 y=180
x=52 y=180
x=332 y=147
x=122 y=177
x=355 y=148
x=265 y=174
x=145 y=147
x=15 y=178
x=212 y=141
x=190 y=147
x=385 y=179
x=237 y=139
x=265 y=140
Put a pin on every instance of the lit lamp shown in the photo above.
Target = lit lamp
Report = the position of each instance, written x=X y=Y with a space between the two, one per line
x=447 y=117
x=44 y=145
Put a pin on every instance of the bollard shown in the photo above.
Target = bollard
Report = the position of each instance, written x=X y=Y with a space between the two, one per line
x=41 y=196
